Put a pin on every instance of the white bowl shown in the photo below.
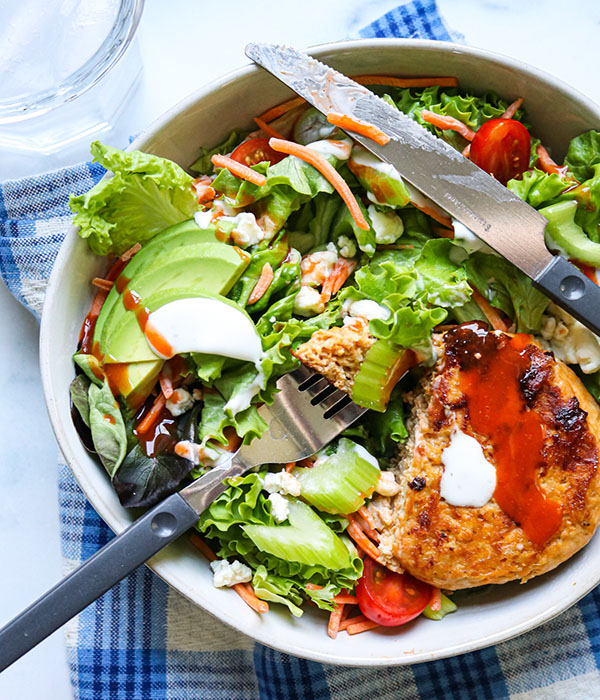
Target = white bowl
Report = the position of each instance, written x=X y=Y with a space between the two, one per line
x=558 y=113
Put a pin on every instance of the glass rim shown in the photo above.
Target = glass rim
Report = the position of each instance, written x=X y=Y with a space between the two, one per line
x=114 y=45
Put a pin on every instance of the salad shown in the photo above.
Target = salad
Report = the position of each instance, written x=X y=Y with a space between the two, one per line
x=290 y=242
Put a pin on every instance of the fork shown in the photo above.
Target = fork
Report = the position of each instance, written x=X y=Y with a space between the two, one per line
x=306 y=414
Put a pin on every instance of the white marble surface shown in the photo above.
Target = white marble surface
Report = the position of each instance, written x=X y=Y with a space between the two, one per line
x=182 y=45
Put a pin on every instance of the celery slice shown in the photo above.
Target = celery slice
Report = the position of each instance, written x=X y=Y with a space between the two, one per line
x=306 y=539
x=448 y=606
x=384 y=365
x=340 y=482
x=568 y=237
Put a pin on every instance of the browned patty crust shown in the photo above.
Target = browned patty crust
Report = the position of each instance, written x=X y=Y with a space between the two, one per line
x=459 y=547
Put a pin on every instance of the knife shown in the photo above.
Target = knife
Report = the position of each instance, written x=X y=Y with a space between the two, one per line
x=491 y=211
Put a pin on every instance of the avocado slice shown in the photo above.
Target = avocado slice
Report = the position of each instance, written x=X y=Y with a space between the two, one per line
x=183 y=234
x=133 y=381
x=128 y=343
x=214 y=267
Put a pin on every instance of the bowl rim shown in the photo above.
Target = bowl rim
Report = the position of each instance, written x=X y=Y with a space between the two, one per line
x=117 y=523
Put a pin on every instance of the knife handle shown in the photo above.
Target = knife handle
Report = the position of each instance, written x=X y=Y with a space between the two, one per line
x=566 y=285
x=140 y=541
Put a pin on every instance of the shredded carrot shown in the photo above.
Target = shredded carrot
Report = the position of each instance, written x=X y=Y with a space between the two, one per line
x=306 y=462
x=280 y=109
x=339 y=274
x=146 y=423
x=489 y=311
x=436 y=600
x=355 y=531
x=467 y=151
x=289 y=467
x=363 y=511
x=97 y=302
x=268 y=130
x=443 y=121
x=204 y=193
x=345 y=613
x=243 y=172
x=546 y=163
x=366 y=528
x=247 y=594
x=443 y=232
x=244 y=590
x=121 y=261
x=359 y=627
x=342 y=598
x=130 y=252
x=434 y=213
x=200 y=544
x=166 y=384
x=351 y=621
x=511 y=110
x=86 y=334
x=327 y=170
x=345 y=599
x=359 y=126
x=446 y=81
x=335 y=618
x=262 y=284
x=101 y=283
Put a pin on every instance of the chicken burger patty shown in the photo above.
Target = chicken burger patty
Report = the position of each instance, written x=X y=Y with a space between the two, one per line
x=499 y=474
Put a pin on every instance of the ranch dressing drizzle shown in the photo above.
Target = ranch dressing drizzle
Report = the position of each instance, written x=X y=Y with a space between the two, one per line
x=210 y=326
x=468 y=478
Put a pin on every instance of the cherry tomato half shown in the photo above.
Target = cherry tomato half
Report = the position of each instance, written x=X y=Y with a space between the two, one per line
x=388 y=598
x=502 y=148
x=256 y=151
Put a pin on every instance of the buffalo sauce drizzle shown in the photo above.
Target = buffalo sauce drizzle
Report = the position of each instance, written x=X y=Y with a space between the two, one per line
x=160 y=436
x=492 y=367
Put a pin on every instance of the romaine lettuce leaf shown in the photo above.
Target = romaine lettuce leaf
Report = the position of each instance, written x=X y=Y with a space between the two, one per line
x=274 y=255
x=384 y=430
x=417 y=286
x=277 y=589
x=213 y=421
x=203 y=164
x=244 y=504
x=583 y=155
x=344 y=225
x=145 y=195
x=537 y=187
x=508 y=289
x=470 y=109
x=587 y=196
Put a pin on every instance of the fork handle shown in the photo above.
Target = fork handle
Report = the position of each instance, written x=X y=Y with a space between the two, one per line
x=122 y=555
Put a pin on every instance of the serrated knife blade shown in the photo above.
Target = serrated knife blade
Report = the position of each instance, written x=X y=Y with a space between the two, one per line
x=496 y=215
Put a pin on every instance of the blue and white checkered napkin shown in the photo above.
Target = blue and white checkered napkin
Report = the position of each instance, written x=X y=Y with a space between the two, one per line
x=143 y=641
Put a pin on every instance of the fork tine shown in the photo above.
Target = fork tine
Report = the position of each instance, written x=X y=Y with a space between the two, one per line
x=322 y=396
x=315 y=389
x=302 y=373
x=331 y=399
x=347 y=414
